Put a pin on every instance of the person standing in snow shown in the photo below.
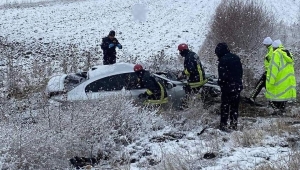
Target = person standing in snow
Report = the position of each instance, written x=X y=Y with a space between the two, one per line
x=156 y=93
x=280 y=78
x=230 y=73
x=193 y=70
x=108 y=46
x=262 y=81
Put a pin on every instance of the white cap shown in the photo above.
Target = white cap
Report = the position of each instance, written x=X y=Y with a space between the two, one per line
x=267 y=41
x=276 y=43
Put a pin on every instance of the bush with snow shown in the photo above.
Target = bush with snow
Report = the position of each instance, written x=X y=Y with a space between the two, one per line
x=48 y=137
x=242 y=25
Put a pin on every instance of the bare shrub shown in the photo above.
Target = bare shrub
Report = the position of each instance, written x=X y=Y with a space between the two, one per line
x=290 y=162
x=28 y=67
x=162 y=62
x=171 y=161
x=81 y=129
x=249 y=138
x=280 y=127
x=242 y=25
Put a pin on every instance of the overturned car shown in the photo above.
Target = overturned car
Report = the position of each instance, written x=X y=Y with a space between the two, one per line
x=105 y=80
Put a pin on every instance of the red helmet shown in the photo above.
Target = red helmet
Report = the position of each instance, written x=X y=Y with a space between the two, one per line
x=138 y=67
x=182 y=47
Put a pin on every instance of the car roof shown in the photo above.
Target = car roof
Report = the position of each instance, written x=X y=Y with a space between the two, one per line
x=108 y=70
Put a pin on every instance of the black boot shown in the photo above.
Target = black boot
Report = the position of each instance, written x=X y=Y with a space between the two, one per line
x=233 y=126
x=223 y=127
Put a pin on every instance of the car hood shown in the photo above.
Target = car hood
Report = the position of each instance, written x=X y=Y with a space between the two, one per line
x=56 y=83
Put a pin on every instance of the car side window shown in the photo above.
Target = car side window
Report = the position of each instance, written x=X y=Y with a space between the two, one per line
x=132 y=81
x=110 y=83
x=115 y=82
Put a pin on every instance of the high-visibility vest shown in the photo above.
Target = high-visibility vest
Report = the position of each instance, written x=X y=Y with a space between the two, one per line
x=268 y=57
x=280 y=80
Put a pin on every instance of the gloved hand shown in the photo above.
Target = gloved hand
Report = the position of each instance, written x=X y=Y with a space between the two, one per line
x=111 y=45
x=119 y=46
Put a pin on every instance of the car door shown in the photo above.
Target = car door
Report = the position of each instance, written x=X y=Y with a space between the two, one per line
x=132 y=86
x=107 y=86
x=175 y=91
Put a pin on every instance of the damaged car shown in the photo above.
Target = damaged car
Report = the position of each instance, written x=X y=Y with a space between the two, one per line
x=106 y=80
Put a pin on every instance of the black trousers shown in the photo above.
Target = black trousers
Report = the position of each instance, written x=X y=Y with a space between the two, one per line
x=259 y=85
x=109 y=59
x=229 y=107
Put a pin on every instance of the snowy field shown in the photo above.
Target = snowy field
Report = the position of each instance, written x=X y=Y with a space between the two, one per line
x=144 y=28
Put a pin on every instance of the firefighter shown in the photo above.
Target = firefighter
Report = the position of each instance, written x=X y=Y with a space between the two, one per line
x=262 y=81
x=108 y=46
x=156 y=93
x=280 y=78
x=194 y=71
x=230 y=72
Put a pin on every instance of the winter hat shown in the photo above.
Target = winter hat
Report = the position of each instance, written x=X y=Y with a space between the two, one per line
x=112 y=33
x=267 y=41
x=276 y=43
x=221 y=49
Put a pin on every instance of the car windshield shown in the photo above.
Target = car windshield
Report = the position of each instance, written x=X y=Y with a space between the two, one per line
x=74 y=79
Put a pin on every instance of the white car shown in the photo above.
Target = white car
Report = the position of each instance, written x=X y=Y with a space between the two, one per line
x=104 y=80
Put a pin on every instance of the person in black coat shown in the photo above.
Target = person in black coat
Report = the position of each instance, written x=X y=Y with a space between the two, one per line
x=230 y=72
x=108 y=46
x=155 y=93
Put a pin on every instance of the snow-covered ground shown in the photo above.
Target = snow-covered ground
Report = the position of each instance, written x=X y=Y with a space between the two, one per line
x=144 y=28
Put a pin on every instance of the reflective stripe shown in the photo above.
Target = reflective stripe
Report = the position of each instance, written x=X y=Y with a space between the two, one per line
x=284 y=66
x=281 y=61
x=162 y=99
x=280 y=94
x=197 y=84
x=273 y=76
x=186 y=72
x=149 y=92
x=274 y=64
x=162 y=91
x=200 y=72
x=282 y=100
x=282 y=80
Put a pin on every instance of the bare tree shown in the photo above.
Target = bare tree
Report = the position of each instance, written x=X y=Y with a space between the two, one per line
x=242 y=24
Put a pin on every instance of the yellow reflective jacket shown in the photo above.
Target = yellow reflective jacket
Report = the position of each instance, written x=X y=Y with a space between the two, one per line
x=281 y=81
x=268 y=57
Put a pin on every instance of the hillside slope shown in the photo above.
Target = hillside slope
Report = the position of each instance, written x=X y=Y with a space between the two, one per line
x=165 y=24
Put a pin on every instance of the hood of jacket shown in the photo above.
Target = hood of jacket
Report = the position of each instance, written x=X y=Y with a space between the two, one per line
x=221 y=50
x=287 y=58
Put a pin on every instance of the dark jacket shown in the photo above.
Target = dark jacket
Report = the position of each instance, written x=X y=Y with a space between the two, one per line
x=105 y=46
x=230 y=70
x=191 y=62
x=154 y=88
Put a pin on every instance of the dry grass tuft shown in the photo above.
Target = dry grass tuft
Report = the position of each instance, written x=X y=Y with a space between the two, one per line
x=248 y=138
